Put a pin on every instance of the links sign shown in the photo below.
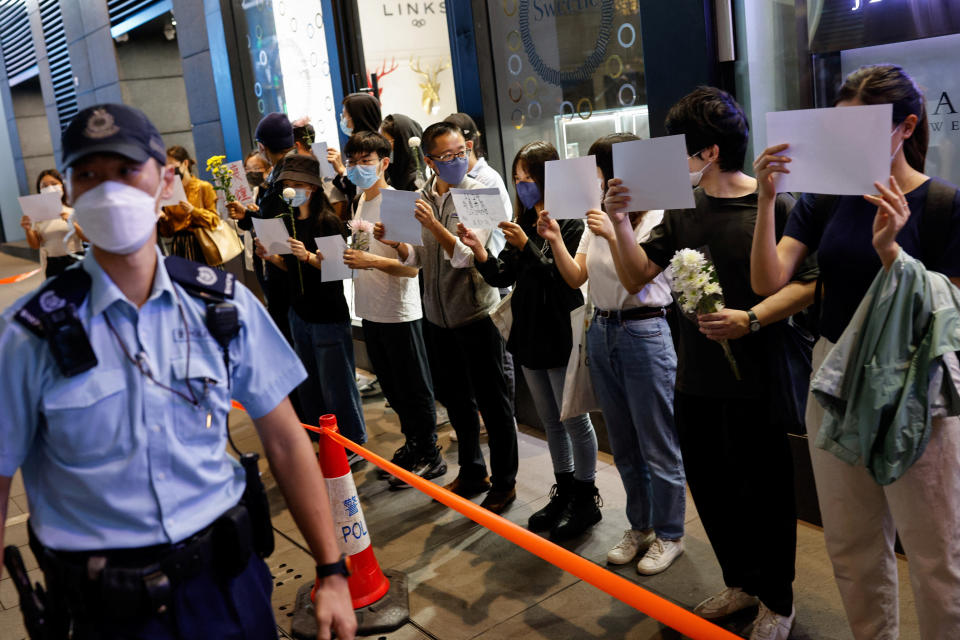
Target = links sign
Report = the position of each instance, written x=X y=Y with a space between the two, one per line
x=351 y=528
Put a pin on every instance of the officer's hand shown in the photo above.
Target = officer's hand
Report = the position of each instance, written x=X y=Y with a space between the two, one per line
x=236 y=210
x=26 y=223
x=334 y=609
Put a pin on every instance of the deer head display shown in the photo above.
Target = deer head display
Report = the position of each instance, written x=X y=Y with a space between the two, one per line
x=430 y=86
x=381 y=72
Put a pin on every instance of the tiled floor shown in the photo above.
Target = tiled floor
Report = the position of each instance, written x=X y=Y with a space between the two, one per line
x=466 y=582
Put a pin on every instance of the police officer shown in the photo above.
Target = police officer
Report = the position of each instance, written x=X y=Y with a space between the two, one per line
x=115 y=392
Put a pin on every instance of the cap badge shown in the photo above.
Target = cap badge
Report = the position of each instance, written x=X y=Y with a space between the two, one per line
x=100 y=125
x=206 y=276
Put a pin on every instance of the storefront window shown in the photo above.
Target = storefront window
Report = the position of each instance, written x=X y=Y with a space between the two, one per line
x=567 y=72
x=286 y=67
x=406 y=48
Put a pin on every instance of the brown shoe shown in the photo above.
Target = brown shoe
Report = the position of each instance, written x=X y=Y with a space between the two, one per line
x=468 y=488
x=498 y=499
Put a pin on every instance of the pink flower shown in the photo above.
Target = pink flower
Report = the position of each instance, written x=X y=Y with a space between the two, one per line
x=358 y=226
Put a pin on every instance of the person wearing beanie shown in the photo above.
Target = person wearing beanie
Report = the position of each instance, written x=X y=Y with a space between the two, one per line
x=275 y=143
x=319 y=318
x=116 y=395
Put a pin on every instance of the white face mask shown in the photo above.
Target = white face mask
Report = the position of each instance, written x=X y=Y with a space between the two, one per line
x=116 y=217
x=897 y=150
x=697 y=176
x=52 y=188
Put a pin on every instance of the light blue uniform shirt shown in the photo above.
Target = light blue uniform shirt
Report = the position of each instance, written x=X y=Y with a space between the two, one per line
x=112 y=460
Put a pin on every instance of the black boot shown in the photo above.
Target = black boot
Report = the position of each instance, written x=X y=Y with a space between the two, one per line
x=560 y=495
x=581 y=513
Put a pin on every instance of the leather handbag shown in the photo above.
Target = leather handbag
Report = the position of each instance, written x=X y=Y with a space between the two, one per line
x=220 y=244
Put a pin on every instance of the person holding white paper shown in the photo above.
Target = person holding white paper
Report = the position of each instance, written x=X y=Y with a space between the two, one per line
x=304 y=137
x=181 y=223
x=744 y=495
x=319 y=318
x=482 y=172
x=860 y=516
x=463 y=345
x=540 y=341
x=633 y=368
x=53 y=237
x=387 y=298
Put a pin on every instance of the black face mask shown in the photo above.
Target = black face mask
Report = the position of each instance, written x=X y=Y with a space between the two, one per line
x=254 y=178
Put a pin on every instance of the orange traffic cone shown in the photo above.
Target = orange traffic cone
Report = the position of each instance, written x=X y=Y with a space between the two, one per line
x=368 y=583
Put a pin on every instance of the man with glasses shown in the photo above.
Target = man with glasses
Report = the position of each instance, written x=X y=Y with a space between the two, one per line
x=387 y=298
x=464 y=347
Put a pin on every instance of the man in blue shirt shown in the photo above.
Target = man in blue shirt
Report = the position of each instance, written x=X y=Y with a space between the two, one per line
x=123 y=449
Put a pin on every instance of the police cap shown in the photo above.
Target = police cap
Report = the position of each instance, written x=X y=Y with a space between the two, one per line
x=112 y=128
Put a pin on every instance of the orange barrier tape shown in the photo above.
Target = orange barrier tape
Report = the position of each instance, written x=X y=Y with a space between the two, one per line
x=18 y=278
x=630 y=593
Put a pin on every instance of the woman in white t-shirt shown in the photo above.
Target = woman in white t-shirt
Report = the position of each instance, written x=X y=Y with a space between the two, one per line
x=633 y=367
x=51 y=236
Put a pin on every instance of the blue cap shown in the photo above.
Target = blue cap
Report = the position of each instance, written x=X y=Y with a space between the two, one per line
x=275 y=132
x=112 y=128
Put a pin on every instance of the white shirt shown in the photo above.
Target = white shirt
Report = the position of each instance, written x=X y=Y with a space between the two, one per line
x=53 y=233
x=378 y=296
x=606 y=291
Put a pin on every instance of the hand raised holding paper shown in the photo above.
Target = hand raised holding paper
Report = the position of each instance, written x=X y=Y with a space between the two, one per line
x=600 y=225
x=766 y=167
x=513 y=234
x=617 y=200
x=469 y=238
x=547 y=228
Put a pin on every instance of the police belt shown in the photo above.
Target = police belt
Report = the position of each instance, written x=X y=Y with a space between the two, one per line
x=131 y=584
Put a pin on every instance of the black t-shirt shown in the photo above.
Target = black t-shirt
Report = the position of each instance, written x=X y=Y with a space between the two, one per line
x=843 y=240
x=319 y=302
x=725 y=227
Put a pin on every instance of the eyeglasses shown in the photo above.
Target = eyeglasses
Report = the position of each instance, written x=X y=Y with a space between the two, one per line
x=363 y=161
x=448 y=157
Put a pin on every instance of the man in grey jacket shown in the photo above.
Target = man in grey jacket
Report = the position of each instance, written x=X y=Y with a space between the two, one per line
x=463 y=345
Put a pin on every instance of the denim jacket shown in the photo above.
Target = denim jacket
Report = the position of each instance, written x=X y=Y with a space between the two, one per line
x=881 y=383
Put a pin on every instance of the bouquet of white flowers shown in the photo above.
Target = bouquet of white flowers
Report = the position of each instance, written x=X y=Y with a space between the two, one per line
x=697 y=288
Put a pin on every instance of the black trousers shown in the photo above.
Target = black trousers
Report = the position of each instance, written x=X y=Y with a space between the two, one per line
x=399 y=357
x=740 y=472
x=467 y=366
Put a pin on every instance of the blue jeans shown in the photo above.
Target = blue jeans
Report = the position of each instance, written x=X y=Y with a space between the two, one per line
x=573 y=442
x=633 y=367
x=326 y=350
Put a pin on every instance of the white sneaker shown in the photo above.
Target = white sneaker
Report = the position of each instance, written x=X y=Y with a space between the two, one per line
x=728 y=601
x=659 y=556
x=770 y=625
x=630 y=545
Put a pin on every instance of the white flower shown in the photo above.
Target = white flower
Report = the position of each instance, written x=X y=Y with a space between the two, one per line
x=414 y=142
x=712 y=288
x=289 y=194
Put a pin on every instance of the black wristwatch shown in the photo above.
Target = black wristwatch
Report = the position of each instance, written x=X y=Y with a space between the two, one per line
x=341 y=566
x=754 y=322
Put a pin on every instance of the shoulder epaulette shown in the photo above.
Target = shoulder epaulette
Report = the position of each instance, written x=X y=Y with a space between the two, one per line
x=70 y=287
x=200 y=280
